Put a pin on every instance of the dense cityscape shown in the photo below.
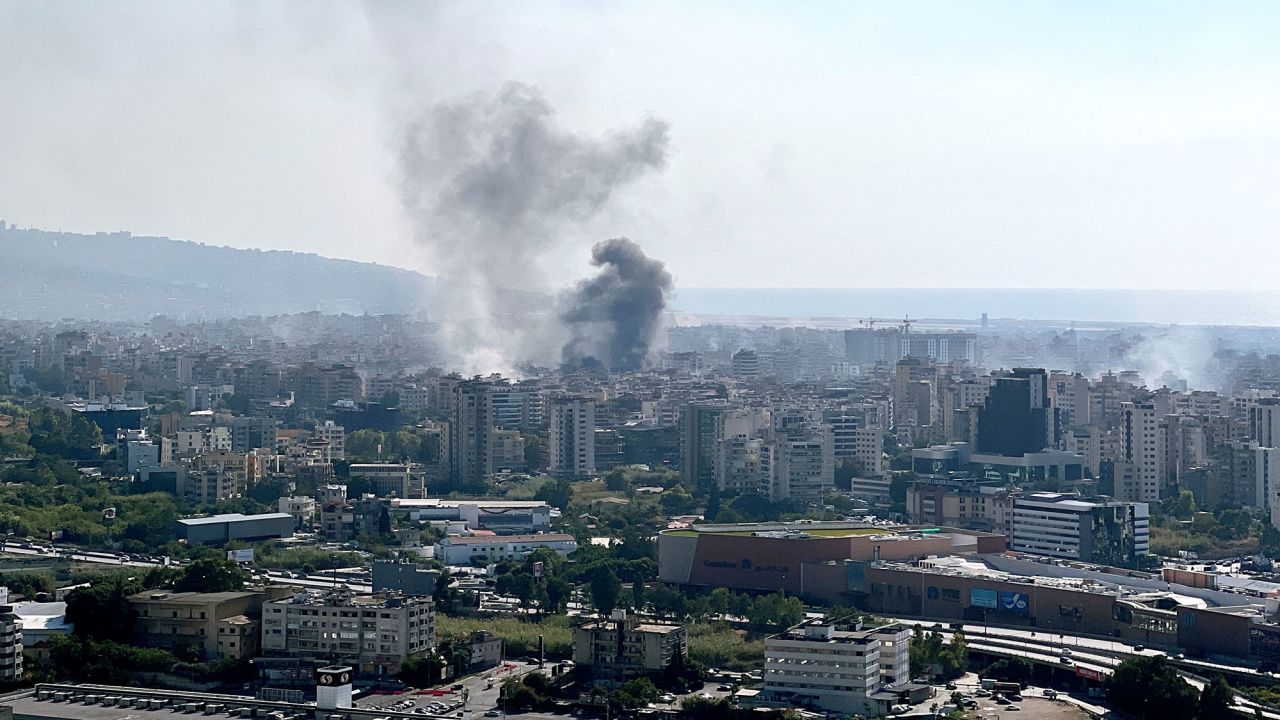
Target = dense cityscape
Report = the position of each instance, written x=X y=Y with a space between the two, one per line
x=428 y=360
x=234 y=506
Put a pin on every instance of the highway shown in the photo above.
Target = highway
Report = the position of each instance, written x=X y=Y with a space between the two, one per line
x=1089 y=653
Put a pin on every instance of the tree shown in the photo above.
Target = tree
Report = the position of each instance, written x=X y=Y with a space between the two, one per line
x=556 y=493
x=636 y=693
x=1215 y=700
x=1150 y=687
x=605 y=590
x=211 y=575
x=362 y=445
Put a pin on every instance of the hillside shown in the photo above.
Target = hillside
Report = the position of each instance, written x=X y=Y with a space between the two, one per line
x=118 y=276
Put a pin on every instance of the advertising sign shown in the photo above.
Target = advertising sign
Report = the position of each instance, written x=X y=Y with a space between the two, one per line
x=333 y=676
x=240 y=556
x=982 y=597
x=1014 y=602
x=1089 y=673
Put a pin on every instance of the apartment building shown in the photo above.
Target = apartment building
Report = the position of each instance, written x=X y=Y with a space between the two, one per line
x=220 y=625
x=375 y=633
x=1108 y=532
x=391 y=479
x=624 y=647
x=10 y=645
x=816 y=666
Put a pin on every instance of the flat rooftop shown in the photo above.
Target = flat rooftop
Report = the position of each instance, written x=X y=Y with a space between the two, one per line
x=234 y=517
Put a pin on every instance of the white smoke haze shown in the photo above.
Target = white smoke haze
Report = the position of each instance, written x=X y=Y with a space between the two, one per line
x=491 y=185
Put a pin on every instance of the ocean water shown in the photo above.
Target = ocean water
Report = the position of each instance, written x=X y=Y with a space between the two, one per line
x=1173 y=307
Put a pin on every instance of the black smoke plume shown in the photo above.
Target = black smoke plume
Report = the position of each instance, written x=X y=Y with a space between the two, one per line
x=493 y=185
x=614 y=316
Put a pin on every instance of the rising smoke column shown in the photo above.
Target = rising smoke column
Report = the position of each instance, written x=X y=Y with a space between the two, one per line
x=614 y=316
x=491 y=185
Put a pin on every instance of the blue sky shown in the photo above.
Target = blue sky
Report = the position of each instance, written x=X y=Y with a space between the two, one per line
x=1016 y=144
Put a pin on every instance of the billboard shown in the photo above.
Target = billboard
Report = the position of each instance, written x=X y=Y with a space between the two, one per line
x=240 y=556
x=982 y=597
x=1014 y=602
x=1089 y=673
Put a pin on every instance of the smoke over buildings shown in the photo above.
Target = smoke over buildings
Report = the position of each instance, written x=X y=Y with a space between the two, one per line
x=614 y=316
x=492 y=185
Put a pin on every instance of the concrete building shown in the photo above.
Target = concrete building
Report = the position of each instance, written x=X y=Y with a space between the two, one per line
x=303 y=509
x=746 y=364
x=374 y=633
x=391 y=479
x=221 y=529
x=336 y=436
x=403 y=577
x=625 y=647
x=218 y=625
x=1141 y=452
x=1106 y=532
x=503 y=517
x=469 y=549
x=470 y=427
x=571 y=437
x=42 y=621
x=816 y=666
x=10 y=645
x=801 y=466
x=699 y=433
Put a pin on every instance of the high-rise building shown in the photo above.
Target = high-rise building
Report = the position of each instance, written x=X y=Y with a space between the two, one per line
x=868 y=346
x=470 y=460
x=699 y=433
x=1139 y=429
x=571 y=437
x=801 y=465
x=1016 y=418
x=1264 y=422
x=746 y=364
x=914 y=386
x=336 y=436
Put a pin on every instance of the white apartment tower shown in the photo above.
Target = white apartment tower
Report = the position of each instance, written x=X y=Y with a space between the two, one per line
x=1142 y=452
x=571 y=440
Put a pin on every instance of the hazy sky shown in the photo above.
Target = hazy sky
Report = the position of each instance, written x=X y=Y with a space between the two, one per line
x=962 y=144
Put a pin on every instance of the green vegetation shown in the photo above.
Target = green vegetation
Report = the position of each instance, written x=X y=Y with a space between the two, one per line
x=519 y=636
x=931 y=656
x=718 y=645
x=1151 y=687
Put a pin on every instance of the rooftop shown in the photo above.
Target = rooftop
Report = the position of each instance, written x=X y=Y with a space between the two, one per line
x=489 y=539
x=234 y=517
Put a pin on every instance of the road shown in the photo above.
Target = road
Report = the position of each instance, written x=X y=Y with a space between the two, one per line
x=1091 y=653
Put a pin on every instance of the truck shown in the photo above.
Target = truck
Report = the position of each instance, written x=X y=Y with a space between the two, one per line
x=1008 y=688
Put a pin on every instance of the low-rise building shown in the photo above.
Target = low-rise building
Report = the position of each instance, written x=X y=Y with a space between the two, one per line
x=375 y=633
x=303 y=509
x=468 y=549
x=624 y=647
x=390 y=479
x=221 y=529
x=504 y=517
x=814 y=665
x=200 y=620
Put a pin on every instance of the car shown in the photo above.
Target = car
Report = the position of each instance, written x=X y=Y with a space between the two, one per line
x=493 y=713
x=1051 y=693
x=1065 y=652
x=951 y=686
x=983 y=692
x=723 y=688
x=1000 y=700
x=1013 y=708
x=456 y=688
x=1139 y=648
x=1064 y=660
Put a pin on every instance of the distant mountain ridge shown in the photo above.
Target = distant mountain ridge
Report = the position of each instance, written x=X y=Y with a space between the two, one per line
x=46 y=275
